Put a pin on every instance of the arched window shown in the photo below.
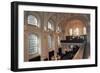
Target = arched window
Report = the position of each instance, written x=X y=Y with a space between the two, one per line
x=32 y=20
x=33 y=43
x=49 y=41
x=58 y=29
x=84 y=31
x=58 y=41
x=50 y=25
x=76 y=32
x=70 y=31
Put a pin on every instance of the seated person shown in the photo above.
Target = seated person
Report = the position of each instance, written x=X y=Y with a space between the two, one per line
x=53 y=58
x=51 y=54
x=60 y=52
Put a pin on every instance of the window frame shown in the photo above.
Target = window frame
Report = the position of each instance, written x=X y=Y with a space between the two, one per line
x=37 y=37
x=50 y=23
x=34 y=18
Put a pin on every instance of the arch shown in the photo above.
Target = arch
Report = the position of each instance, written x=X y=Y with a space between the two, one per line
x=33 y=18
x=82 y=18
x=76 y=25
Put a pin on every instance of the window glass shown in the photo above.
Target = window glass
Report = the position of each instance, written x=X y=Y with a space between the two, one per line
x=49 y=41
x=33 y=44
x=50 y=26
x=32 y=20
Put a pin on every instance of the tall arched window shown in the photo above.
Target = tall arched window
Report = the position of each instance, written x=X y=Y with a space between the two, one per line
x=33 y=43
x=84 y=31
x=32 y=20
x=70 y=31
x=58 y=41
x=76 y=32
x=50 y=25
x=49 y=41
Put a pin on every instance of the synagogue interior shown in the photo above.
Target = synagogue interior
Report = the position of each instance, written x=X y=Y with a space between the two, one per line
x=52 y=36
